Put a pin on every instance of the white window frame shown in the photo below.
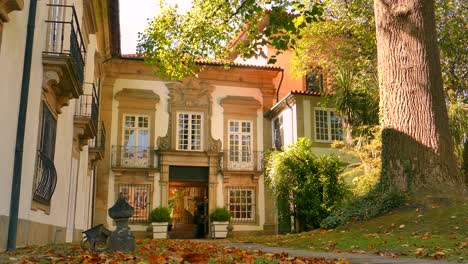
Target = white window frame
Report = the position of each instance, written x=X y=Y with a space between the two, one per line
x=329 y=124
x=252 y=204
x=189 y=144
x=136 y=161
x=241 y=165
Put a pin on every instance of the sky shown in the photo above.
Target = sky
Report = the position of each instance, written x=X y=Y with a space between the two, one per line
x=134 y=18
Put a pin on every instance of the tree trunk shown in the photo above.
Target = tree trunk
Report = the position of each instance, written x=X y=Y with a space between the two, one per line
x=417 y=149
x=348 y=129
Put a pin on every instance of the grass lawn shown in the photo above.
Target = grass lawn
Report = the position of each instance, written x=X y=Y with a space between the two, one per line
x=435 y=231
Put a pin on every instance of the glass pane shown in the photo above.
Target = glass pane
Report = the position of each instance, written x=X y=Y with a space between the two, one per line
x=143 y=121
x=143 y=138
x=129 y=121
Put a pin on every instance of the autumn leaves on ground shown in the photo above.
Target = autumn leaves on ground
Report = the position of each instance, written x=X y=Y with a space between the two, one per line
x=432 y=232
x=157 y=251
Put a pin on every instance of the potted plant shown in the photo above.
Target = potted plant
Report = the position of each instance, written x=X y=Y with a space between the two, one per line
x=160 y=218
x=219 y=222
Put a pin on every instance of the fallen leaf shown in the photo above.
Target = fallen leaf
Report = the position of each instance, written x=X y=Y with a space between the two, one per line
x=438 y=255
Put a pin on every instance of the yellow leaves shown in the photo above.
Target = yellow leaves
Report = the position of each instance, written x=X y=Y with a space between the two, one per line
x=420 y=252
x=463 y=244
x=342 y=261
x=426 y=236
x=438 y=255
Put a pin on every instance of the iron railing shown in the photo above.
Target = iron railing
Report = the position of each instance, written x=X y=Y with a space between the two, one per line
x=239 y=160
x=64 y=36
x=135 y=157
x=139 y=197
x=46 y=179
x=87 y=105
x=99 y=142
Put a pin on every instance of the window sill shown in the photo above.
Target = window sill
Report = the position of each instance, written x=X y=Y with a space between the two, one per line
x=36 y=206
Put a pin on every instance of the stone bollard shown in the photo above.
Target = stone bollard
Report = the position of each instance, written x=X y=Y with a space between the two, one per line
x=122 y=238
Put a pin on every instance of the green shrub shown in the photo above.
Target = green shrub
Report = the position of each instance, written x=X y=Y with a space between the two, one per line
x=220 y=214
x=308 y=187
x=160 y=215
x=375 y=203
x=364 y=183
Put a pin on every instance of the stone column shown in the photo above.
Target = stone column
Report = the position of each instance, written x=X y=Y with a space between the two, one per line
x=103 y=168
x=213 y=161
x=164 y=182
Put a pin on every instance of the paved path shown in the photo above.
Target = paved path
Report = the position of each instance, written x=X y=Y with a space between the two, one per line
x=352 y=258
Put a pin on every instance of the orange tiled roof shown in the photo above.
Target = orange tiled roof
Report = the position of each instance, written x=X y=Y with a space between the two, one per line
x=215 y=63
x=310 y=93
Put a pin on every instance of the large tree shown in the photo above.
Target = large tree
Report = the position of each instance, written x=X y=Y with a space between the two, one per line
x=417 y=149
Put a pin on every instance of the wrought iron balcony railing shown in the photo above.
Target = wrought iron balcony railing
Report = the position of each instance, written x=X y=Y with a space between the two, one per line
x=46 y=179
x=135 y=157
x=242 y=160
x=98 y=143
x=64 y=36
x=87 y=106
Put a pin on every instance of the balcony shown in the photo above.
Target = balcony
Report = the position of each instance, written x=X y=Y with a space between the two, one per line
x=64 y=56
x=86 y=115
x=135 y=157
x=97 y=145
x=46 y=179
x=249 y=161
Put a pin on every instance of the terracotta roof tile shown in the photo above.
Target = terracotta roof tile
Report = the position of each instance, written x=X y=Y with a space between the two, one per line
x=214 y=63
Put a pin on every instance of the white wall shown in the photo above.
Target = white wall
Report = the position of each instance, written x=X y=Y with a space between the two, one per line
x=11 y=69
x=289 y=125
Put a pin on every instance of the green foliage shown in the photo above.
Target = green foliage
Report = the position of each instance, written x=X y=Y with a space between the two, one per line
x=458 y=121
x=160 y=215
x=174 y=43
x=357 y=102
x=451 y=17
x=309 y=187
x=368 y=148
x=220 y=214
x=376 y=202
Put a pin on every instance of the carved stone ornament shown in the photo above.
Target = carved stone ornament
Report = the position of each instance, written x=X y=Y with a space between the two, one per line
x=191 y=95
x=50 y=86
x=6 y=6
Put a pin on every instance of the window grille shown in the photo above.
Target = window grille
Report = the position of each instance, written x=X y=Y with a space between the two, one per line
x=46 y=175
x=139 y=197
x=241 y=204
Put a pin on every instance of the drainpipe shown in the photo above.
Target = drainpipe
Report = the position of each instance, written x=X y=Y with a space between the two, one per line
x=23 y=107
x=279 y=86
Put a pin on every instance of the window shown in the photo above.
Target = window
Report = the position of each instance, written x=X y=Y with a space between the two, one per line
x=55 y=29
x=138 y=196
x=278 y=132
x=242 y=204
x=135 y=140
x=46 y=175
x=327 y=125
x=314 y=80
x=189 y=131
x=240 y=143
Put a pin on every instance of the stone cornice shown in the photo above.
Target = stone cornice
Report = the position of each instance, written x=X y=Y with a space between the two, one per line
x=6 y=6
x=128 y=93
